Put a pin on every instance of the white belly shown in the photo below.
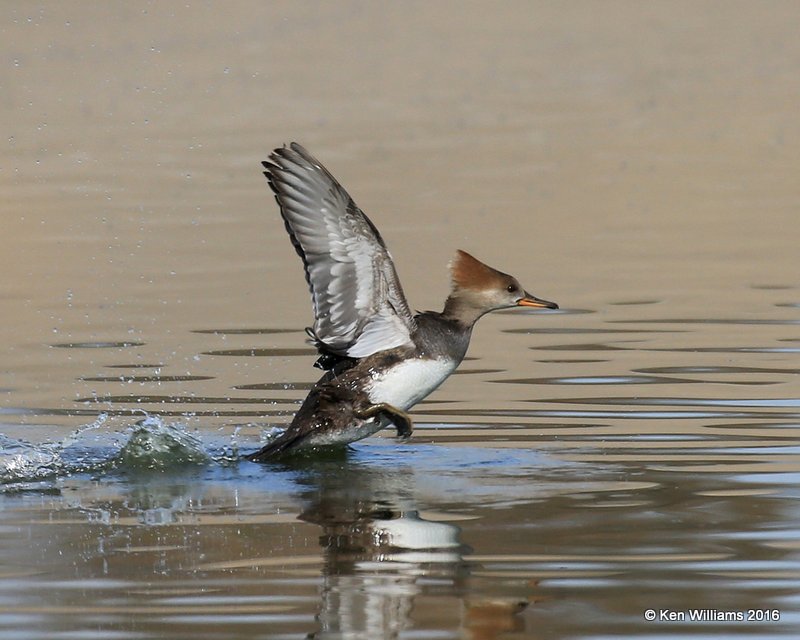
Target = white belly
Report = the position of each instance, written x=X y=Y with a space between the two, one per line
x=408 y=382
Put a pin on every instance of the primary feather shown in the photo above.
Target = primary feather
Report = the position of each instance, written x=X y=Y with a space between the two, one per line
x=359 y=305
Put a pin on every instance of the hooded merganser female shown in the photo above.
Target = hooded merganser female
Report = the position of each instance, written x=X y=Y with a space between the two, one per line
x=379 y=358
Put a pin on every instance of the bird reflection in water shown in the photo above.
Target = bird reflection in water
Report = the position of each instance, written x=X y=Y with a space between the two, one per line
x=380 y=552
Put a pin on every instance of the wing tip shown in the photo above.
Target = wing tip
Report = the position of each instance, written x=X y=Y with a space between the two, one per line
x=291 y=159
x=289 y=151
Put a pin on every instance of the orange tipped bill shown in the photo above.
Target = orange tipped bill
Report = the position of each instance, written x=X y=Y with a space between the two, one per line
x=532 y=301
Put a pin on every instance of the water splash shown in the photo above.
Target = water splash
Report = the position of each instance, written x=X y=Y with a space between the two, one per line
x=155 y=444
x=22 y=461
x=149 y=444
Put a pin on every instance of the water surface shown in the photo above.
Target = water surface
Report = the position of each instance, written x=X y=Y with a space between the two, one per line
x=635 y=450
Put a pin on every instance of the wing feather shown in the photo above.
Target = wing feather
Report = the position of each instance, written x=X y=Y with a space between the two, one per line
x=359 y=305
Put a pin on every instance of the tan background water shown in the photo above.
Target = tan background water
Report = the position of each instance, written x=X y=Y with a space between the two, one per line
x=636 y=162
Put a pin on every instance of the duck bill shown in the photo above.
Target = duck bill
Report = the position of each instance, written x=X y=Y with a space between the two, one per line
x=532 y=301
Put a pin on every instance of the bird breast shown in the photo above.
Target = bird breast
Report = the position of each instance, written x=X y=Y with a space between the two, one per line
x=407 y=382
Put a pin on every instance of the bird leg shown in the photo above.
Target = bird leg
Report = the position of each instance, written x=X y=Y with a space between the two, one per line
x=399 y=418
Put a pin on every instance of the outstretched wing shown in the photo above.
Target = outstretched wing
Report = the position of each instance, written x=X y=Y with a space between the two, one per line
x=359 y=305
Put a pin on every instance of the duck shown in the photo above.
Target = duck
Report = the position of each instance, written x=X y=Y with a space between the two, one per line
x=379 y=358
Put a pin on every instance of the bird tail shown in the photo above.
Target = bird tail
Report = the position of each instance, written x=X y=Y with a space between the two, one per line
x=284 y=443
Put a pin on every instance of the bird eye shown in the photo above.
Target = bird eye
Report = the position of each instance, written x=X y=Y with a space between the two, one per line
x=511 y=288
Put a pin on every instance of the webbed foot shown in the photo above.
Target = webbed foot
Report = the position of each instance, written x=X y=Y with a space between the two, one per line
x=399 y=418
